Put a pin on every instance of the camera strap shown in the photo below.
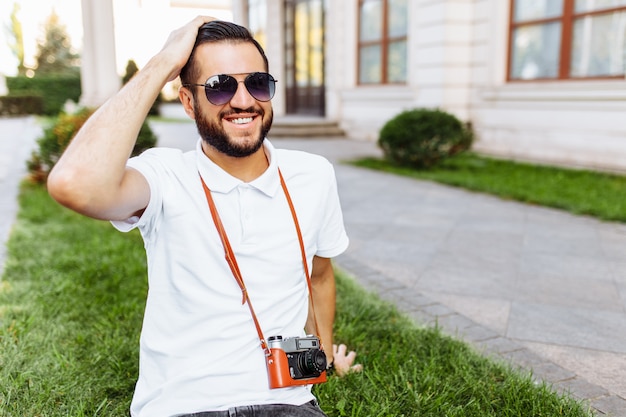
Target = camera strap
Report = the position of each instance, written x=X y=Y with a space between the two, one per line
x=234 y=267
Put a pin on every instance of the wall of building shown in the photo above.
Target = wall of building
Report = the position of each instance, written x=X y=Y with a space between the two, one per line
x=578 y=124
x=440 y=66
x=457 y=61
x=360 y=110
x=575 y=123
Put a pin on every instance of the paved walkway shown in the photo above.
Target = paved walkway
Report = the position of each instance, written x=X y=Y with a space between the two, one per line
x=539 y=287
x=17 y=140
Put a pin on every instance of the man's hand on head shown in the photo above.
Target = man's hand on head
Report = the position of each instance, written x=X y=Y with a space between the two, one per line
x=180 y=43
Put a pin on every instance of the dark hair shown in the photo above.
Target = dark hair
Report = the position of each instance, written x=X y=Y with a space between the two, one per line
x=217 y=31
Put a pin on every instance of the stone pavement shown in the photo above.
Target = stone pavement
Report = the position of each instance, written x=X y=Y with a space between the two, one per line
x=538 y=287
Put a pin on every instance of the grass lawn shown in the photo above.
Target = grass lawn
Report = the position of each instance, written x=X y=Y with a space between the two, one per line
x=71 y=305
x=578 y=191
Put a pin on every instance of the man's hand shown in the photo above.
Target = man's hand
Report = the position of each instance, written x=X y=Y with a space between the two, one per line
x=342 y=363
x=180 y=43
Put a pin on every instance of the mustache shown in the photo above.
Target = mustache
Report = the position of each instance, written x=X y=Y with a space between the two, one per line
x=232 y=112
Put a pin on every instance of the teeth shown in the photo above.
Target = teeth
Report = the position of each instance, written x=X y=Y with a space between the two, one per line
x=242 y=120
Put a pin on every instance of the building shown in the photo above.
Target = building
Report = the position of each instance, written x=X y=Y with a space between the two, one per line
x=538 y=80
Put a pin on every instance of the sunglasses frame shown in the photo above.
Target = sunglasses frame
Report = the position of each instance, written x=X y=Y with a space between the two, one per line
x=207 y=90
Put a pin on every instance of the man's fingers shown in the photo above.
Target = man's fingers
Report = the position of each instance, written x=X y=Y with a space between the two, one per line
x=344 y=363
x=341 y=349
x=356 y=368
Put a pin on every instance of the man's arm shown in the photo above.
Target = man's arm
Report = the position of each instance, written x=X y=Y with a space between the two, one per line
x=323 y=296
x=324 y=299
x=91 y=176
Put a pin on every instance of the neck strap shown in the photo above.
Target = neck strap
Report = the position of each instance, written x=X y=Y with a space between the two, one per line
x=234 y=267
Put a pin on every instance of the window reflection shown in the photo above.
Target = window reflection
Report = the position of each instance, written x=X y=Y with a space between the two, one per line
x=535 y=51
x=536 y=9
x=599 y=45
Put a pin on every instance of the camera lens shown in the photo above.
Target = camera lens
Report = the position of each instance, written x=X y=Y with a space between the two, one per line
x=312 y=362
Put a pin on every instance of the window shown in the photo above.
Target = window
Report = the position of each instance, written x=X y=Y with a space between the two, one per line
x=567 y=39
x=382 y=45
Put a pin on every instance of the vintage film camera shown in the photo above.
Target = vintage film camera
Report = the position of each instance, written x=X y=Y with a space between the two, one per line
x=295 y=361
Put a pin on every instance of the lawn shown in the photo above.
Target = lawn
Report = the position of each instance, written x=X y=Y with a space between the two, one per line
x=72 y=300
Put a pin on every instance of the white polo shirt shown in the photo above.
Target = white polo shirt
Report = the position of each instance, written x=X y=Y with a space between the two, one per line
x=199 y=349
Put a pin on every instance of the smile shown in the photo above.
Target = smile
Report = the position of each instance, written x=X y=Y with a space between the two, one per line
x=241 y=120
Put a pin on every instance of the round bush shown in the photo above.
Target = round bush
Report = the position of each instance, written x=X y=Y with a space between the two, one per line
x=421 y=138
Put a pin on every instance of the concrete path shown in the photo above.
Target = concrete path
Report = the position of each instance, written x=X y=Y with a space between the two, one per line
x=539 y=287
x=17 y=140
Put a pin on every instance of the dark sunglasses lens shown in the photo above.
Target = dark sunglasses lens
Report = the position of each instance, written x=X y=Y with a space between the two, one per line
x=261 y=86
x=220 y=89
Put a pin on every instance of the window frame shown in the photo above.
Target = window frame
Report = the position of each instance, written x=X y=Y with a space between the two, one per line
x=567 y=19
x=383 y=42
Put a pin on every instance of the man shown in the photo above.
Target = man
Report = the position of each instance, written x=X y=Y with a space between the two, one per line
x=203 y=351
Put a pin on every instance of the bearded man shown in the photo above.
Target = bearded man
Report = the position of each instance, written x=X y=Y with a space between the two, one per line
x=231 y=231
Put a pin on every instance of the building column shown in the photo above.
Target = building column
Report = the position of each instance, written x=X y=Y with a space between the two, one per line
x=275 y=51
x=99 y=78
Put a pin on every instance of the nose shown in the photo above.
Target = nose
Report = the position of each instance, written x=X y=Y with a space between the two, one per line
x=242 y=98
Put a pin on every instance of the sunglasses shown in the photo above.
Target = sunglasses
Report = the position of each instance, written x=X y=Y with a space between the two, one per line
x=221 y=88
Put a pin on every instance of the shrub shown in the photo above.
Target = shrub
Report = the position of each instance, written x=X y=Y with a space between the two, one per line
x=22 y=103
x=59 y=134
x=55 y=90
x=145 y=140
x=420 y=138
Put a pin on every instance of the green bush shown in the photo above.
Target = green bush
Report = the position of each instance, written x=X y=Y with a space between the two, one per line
x=420 y=138
x=21 y=104
x=59 y=134
x=145 y=140
x=54 y=90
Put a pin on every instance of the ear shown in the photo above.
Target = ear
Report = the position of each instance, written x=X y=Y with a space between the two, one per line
x=186 y=98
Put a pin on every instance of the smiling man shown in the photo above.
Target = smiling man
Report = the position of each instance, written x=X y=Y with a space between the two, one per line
x=239 y=235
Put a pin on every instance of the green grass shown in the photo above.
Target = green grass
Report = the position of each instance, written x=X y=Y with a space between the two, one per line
x=72 y=300
x=597 y=194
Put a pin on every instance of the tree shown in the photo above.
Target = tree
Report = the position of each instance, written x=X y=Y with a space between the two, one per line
x=17 y=45
x=131 y=70
x=54 y=52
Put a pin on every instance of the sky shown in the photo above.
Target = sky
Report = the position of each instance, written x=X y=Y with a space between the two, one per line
x=33 y=14
x=141 y=27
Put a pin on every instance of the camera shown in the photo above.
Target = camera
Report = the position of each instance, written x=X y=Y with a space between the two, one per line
x=295 y=361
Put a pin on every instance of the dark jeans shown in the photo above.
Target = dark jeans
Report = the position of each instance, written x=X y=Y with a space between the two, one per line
x=310 y=409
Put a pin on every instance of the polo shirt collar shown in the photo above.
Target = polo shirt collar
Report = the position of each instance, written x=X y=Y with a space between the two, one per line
x=221 y=181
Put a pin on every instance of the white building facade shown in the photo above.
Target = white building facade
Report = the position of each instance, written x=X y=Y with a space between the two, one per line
x=538 y=80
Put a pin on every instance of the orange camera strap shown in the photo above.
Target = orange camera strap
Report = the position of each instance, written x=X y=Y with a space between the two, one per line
x=234 y=267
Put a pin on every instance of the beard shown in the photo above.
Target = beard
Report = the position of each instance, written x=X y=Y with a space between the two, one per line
x=214 y=134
